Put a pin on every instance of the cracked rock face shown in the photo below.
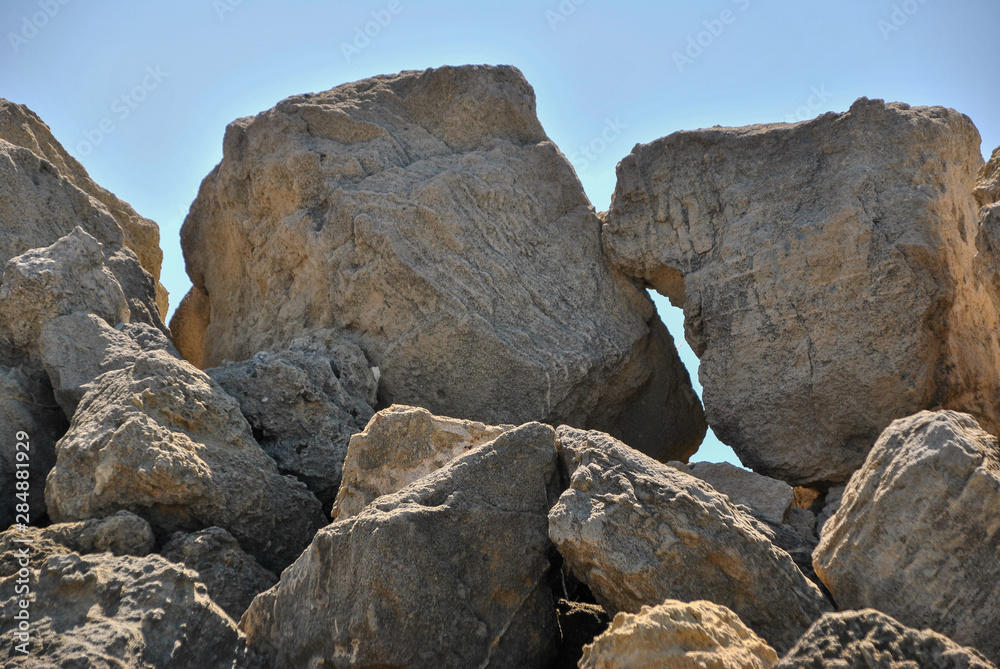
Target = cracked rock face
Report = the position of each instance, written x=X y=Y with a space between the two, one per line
x=825 y=271
x=917 y=534
x=450 y=571
x=428 y=215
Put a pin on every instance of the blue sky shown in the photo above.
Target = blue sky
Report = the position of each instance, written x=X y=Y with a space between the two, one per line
x=141 y=92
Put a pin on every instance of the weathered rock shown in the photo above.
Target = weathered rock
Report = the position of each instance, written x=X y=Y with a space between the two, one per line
x=798 y=544
x=638 y=532
x=29 y=415
x=232 y=577
x=579 y=624
x=303 y=404
x=831 y=503
x=108 y=612
x=803 y=521
x=770 y=497
x=121 y=534
x=987 y=190
x=451 y=571
x=23 y=128
x=825 y=271
x=698 y=635
x=872 y=640
x=917 y=535
x=160 y=439
x=398 y=446
x=427 y=214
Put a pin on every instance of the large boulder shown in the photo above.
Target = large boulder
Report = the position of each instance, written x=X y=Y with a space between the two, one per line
x=679 y=635
x=917 y=534
x=160 y=439
x=428 y=215
x=47 y=215
x=400 y=445
x=871 y=640
x=825 y=271
x=638 y=532
x=303 y=404
x=108 y=612
x=451 y=571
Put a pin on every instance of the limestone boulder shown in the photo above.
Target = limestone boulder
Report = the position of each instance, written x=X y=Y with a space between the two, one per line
x=450 y=571
x=21 y=127
x=427 y=214
x=826 y=273
x=400 y=445
x=638 y=532
x=303 y=404
x=769 y=497
x=107 y=612
x=232 y=577
x=160 y=439
x=917 y=533
x=869 y=639
x=695 y=635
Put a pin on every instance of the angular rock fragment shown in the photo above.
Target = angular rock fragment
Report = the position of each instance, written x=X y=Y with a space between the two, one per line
x=638 y=532
x=769 y=497
x=160 y=439
x=917 y=534
x=450 y=571
x=398 y=446
x=825 y=271
x=680 y=636
x=427 y=214
x=303 y=404
x=871 y=640
x=987 y=190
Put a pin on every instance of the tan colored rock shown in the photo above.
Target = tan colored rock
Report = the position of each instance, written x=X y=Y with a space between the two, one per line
x=22 y=127
x=696 y=635
x=987 y=190
x=638 y=532
x=161 y=440
x=428 y=215
x=869 y=639
x=825 y=271
x=770 y=497
x=400 y=445
x=917 y=534
x=451 y=571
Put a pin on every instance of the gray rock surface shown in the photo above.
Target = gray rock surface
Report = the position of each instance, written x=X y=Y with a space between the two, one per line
x=869 y=639
x=987 y=190
x=770 y=497
x=303 y=404
x=110 y=612
x=400 y=445
x=917 y=534
x=428 y=215
x=450 y=571
x=638 y=532
x=825 y=271
x=160 y=439
x=232 y=577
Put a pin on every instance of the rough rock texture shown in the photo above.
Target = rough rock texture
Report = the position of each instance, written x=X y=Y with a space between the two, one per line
x=451 y=571
x=21 y=127
x=917 y=535
x=427 y=214
x=679 y=635
x=831 y=503
x=872 y=640
x=160 y=439
x=398 y=446
x=78 y=348
x=232 y=577
x=637 y=532
x=797 y=543
x=303 y=404
x=109 y=612
x=770 y=497
x=825 y=271
x=987 y=190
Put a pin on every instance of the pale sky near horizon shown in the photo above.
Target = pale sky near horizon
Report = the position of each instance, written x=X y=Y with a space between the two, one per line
x=141 y=92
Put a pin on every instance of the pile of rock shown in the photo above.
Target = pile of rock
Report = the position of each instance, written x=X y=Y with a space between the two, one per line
x=439 y=423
